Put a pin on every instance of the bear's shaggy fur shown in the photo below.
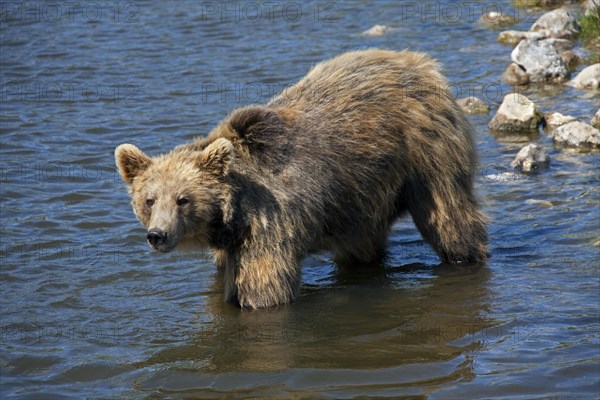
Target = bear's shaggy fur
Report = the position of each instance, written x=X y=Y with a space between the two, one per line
x=329 y=164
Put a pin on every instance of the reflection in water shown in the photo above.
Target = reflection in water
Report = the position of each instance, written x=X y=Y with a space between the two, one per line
x=394 y=320
x=515 y=137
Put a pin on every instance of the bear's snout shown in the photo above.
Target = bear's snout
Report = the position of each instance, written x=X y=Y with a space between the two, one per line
x=156 y=237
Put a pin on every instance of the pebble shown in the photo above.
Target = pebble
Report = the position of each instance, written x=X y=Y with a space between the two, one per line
x=377 y=30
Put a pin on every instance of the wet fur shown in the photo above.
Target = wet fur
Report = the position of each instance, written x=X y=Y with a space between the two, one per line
x=329 y=164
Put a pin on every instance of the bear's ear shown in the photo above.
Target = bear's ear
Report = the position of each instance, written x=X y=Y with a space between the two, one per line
x=255 y=126
x=252 y=120
x=131 y=161
x=217 y=157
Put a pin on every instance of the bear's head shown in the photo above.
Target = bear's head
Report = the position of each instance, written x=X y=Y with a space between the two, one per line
x=179 y=195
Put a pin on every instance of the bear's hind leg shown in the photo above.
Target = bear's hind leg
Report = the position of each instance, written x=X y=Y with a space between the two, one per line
x=450 y=221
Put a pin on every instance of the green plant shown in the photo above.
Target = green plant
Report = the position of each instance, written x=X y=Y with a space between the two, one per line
x=590 y=26
x=590 y=33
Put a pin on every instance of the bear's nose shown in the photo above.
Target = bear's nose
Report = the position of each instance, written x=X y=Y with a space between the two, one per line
x=156 y=237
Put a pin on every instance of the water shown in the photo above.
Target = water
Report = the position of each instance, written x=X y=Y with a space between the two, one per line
x=87 y=309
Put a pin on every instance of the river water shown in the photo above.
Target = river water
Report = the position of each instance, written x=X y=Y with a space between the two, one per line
x=88 y=310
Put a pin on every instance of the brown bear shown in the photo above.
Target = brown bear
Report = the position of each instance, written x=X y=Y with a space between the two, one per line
x=327 y=165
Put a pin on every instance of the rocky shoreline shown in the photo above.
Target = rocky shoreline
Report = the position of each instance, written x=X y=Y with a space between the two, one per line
x=544 y=55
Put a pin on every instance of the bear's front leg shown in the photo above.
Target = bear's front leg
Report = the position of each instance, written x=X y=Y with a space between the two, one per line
x=262 y=280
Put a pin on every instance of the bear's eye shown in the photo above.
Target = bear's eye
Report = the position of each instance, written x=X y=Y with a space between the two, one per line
x=182 y=201
x=150 y=202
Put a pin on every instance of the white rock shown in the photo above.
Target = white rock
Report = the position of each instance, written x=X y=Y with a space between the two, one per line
x=532 y=157
x=516 y=113
x=560 y=44
x=577 y=134
x=558 y=23
x=540 y=60
x=535 y=202
x=495 y=19
x=377 y=30
x=514 y=37
x=555 y=120
x=589 y=78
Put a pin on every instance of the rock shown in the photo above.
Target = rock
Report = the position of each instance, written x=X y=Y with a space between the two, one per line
x=514 y=37
x=558 y=23
x=589 y=78
x=516 y=113
x=555 y=120
x=560 y=44
x=567 y=55
x=596 y=120
x=535 y=202
x=496 y=19
x=538 y=3
x=515 y=75
x=532 y=157
x=571 y=60
x=577 y=134
x=377 y=30
x=540 y=60
x=551 y=3
x=473 y=105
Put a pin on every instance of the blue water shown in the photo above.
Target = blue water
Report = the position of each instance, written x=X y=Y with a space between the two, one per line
x=87 y=309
